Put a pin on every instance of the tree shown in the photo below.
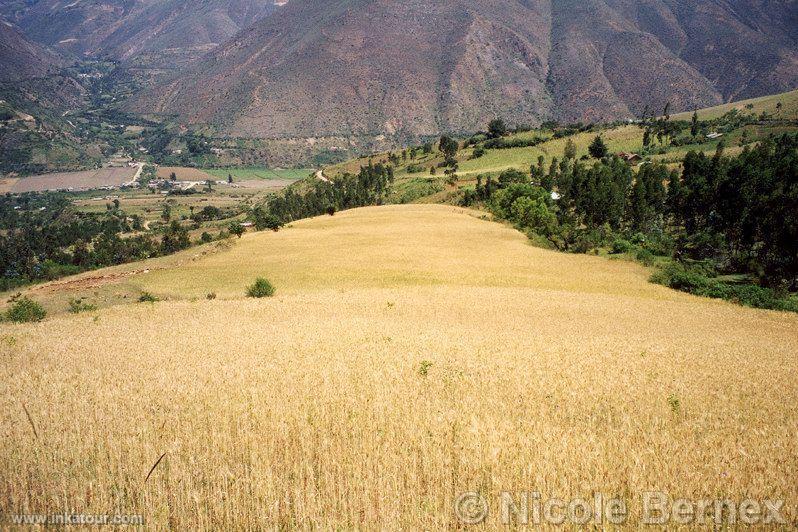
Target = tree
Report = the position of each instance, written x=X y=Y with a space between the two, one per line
x=694 y=125
x=230 y=178
x=598 y=149
x=236 y=228
x=166 y=214
x=448 y=147
x=175 y=239
x=570 y=149
x=538 y=171
x=266 y=220
x=497 y=128
x=209 y=185
x=508 y=177
x=173 y=176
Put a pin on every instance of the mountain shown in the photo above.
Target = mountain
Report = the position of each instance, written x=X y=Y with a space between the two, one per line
x=35 y=92
x=21 y=59
x=31 y=75
x=165 y=32
x=369 y=67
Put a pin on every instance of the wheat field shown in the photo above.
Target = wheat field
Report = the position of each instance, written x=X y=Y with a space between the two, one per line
x=411 y=353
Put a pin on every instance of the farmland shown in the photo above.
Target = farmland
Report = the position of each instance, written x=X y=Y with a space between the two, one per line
x=259 y=172
x=440 y=353
x=86 y=180
x=419 y=185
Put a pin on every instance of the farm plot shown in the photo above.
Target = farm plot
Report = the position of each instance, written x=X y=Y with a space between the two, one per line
x=86 y=180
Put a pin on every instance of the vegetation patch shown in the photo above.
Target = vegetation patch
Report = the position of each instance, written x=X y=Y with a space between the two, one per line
x=261 y=288
x=25 y=310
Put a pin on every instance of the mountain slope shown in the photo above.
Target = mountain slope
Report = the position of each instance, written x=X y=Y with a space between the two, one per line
x=21 y=59
x=180 y=30
x=365 y=67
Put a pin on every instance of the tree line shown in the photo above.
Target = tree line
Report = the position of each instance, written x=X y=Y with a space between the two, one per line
x=720 y=214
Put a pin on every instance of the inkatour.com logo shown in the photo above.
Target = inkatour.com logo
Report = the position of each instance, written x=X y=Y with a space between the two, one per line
x=654 y=508
x=74 y=519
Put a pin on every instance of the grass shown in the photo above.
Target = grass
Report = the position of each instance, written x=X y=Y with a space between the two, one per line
x=412 y=353
x=789 y=102
x=260 y=172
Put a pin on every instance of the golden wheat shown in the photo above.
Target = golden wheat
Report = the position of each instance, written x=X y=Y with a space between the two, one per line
x=411 y=354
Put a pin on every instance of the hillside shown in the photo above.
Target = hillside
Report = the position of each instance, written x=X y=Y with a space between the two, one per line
x=743 y=123
x=154 y=33
x=411 y=353
x=21 y=59
x=366 y=67
x=35 y=91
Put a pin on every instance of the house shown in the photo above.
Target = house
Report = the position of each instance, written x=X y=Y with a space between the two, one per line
x=630 y=157
x=713 y=136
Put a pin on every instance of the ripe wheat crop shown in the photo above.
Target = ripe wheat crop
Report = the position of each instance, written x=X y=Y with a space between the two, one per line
x=410 y=354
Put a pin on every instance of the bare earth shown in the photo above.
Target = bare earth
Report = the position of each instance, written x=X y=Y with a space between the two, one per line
x=86 y=180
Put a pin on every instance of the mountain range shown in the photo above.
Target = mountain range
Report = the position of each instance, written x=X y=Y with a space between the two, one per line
x=420 y=67
x=162 y=32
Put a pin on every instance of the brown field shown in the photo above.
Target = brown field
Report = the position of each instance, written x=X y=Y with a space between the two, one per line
x=86 y=180
x=411 y=353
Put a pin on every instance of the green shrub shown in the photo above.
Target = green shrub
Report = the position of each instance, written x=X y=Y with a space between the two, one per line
x=478 y=152
x=76 y=306
x=688 y=279
x=619 y=245
x=261 y=288
x=25 y=310
x=645 y=257
x=147 y=297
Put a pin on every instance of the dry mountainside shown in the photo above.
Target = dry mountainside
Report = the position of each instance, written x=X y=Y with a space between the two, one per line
x=411 y=353
x=367 y=67
x=156 y=32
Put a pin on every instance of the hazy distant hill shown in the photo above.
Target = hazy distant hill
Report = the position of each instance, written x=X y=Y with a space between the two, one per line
x=422 y=66
x=178 y=30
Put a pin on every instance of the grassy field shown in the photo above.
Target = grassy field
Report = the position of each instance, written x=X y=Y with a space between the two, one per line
x=766 y=104
x=258 y=172
x=411 y=353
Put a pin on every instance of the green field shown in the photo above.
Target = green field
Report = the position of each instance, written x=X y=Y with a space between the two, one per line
x=260 y=172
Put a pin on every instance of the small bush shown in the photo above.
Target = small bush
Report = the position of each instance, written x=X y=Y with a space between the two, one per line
x=147 y=297
x=645 y=257
x=25 y=310
x=619 y=245
x=76 y=306
x=261 y=288
x=211 y=296
x=478 y=152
